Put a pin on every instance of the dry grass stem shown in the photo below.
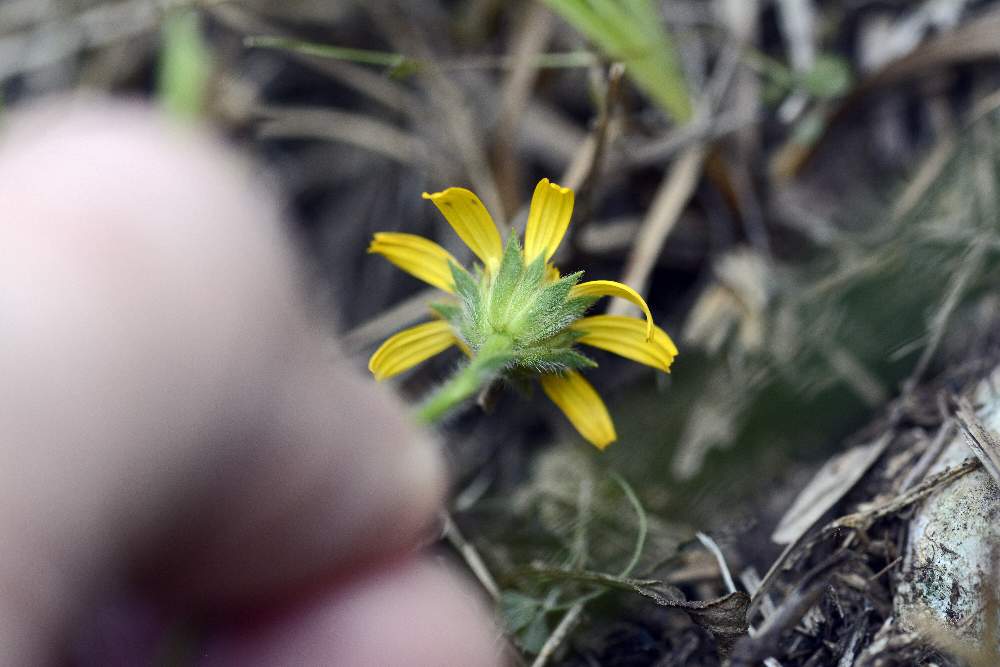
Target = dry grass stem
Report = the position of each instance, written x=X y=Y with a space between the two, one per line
x=672 y=196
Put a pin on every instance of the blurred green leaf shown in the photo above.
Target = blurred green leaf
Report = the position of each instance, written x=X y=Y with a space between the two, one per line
x=633 y=32
x=524 y=616
x=829 y=77
x=518 y=610
x=185 y=64
x=534 y=636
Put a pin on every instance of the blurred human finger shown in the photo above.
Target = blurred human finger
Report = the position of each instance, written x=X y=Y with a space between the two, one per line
x=168 y=407
x=414 y=614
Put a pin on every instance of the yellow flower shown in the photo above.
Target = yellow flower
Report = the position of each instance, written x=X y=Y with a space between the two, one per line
x=525 y=317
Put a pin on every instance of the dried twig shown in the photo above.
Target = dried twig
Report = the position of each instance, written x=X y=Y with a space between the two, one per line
x=851 y=650
x=928 y=172
x=699 y=130
x=359 y=130
x=536 y=28
x=772 y=572
x=853 y=372
x=750 y=579
x=827 y=487
x=604 y=129
x=710 y=544
x=669 y=202
x=753 y=650
x=861 y=520
x=970 y=265
x=470 y=555
x=448 y=101
x=65 y=36
x=927 y=459
x=390 y=321
x=584 y=166
x=981 y=440
x=558 y=636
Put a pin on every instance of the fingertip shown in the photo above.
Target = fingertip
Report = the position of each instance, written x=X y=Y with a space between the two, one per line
x=338 y=479
x=416 y=614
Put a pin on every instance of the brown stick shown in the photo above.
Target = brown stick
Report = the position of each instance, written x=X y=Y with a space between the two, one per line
x=982 y=441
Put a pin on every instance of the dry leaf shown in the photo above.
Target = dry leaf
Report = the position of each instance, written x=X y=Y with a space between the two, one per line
x=830 y=484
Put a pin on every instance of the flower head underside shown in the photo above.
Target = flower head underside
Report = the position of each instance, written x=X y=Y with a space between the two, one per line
x=514 y=315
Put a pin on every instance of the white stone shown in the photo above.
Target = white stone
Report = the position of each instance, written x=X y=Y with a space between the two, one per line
x=953 y=537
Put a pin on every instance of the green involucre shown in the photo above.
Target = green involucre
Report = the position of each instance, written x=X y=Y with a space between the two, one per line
x=518 y=304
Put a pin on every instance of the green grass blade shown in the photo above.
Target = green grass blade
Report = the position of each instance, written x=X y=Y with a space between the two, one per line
x=640 y=515
x=633 y=32
x=361 y=56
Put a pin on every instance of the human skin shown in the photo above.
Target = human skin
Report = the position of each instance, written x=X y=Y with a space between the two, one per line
x=176 y=431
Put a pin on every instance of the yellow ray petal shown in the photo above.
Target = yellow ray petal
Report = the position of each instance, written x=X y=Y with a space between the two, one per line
x=548 y=218
x=582 y=406
x=472 y=222
x=417 y=256
x=410 y=347
x=611 y=288
x=626 y=336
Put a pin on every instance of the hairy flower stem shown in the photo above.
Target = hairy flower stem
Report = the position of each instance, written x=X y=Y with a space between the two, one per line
x=483 y=368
